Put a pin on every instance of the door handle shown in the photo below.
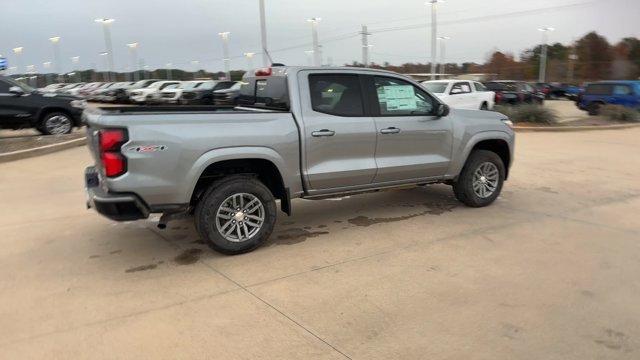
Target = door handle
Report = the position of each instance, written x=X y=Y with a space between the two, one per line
x=323 y=132
x=390 y=130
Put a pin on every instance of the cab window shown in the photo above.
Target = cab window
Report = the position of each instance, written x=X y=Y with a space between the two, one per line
x=460 y=88
x=400 y=98
x=621 y=90
x=336 y=94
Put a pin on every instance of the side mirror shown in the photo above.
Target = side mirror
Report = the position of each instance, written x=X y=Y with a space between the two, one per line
x=455 y=91
x=442 y=111
x=16 y=90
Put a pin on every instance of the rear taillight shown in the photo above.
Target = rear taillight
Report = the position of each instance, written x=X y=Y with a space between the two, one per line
x=263 y=72
x=110 y=143
x=498 y=97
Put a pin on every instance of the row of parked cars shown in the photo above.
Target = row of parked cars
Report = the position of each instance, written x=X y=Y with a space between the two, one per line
x=152 y=91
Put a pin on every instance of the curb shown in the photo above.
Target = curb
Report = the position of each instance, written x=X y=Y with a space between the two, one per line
x=574 y=128
x=42 y=150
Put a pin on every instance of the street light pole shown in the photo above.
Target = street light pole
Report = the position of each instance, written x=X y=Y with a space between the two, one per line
x=443 y=65
x=317 y=56
x=542 y=74
x=169 y=65
x=75 y=60
x=225 y=53
x=18 y=52
x=263 y=35
x=106 y=27
x=47 y=65
x=365 y=46
x=434 y=35
x=105 y=75
x=55 y=40
x=133 y=54
x=249 y=56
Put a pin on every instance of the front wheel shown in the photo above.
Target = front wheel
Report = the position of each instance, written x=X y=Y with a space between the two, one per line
x=480 y=180
x=236 y=215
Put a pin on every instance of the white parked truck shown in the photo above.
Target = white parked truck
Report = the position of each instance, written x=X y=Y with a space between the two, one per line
x=462 y=94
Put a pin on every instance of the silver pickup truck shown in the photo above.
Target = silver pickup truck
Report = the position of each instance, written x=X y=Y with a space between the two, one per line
x=297 y=132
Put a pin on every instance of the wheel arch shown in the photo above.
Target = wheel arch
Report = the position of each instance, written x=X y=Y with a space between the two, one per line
x=495 y=141
x=264 y=163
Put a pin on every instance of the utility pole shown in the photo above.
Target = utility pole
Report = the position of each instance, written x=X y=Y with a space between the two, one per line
x=133 y=54
x=225 y=53
x=434 y=35
x=106 y=27
x=542 y=74
x=263 y=35
x=249 y=56
x=572 y=58
x=317 y=56
x=365 y=46
x=55 y=40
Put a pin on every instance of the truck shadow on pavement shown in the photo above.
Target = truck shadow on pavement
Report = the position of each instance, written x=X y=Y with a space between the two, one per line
x=315 y=219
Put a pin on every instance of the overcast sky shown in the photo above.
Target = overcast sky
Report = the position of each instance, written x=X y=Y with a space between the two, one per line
x=180 y=31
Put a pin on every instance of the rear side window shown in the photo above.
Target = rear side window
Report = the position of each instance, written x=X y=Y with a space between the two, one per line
x=339 y=95
x=502 y=86
x=598 y=89
x=267 y=93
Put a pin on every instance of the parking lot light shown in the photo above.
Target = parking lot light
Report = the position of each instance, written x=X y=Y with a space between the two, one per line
x=225 y=53
x=434 y=34
x=249 y=56
x=133 y=54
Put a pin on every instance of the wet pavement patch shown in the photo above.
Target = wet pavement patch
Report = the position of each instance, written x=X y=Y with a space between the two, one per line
x=188 y=257
x=141 y=268
x=433 y=209
x=297 y=235
x=115 y=252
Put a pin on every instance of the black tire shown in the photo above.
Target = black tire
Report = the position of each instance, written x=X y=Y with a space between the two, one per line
x=213 y=199
x=593 y=109
x=47 y=128
x=484 y=106
x=463 y=187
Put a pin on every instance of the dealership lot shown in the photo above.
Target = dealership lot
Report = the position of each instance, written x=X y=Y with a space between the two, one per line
x=550 y=271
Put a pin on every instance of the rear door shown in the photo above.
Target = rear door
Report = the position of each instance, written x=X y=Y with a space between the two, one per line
x=623 y=95
x=340 y=139
x=413 y=143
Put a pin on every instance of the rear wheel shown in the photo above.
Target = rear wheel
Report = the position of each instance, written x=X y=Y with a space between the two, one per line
x=236 y=215
x=480 y=180
x=56 y=123
x=484 y=106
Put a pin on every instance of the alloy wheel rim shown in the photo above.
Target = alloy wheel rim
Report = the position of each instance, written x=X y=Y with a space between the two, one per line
x=58 y=124
x=485 y=180
x=240 y=217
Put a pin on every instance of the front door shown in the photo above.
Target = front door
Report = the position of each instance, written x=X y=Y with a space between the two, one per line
x=340 y=140
x=14 y=109
x=413 y=143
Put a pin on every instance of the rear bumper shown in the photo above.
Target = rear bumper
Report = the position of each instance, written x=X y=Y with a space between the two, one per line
x=115 y=206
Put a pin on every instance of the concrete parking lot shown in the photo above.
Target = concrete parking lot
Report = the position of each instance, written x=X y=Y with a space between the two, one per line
x=550 y=271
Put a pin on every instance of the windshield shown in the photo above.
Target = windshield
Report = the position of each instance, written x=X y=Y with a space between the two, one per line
x=436 y=87
x=26 y=88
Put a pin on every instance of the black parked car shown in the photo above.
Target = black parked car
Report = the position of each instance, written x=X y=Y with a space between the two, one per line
x=514 y=92
x=23 y=107
x=203 y=94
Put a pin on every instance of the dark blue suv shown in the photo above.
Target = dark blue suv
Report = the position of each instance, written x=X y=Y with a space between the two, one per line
x=623 y=92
